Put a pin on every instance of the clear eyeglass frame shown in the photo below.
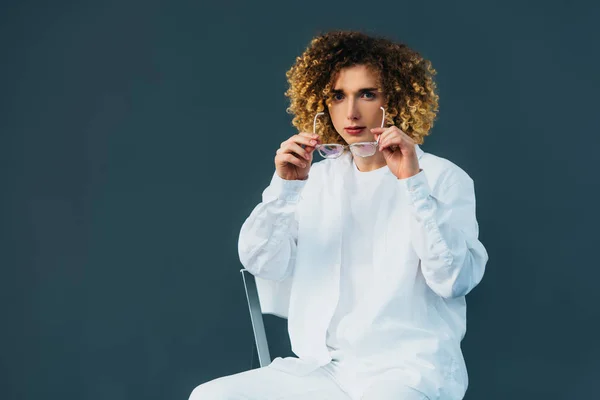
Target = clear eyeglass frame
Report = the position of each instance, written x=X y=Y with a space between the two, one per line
x=335 y=150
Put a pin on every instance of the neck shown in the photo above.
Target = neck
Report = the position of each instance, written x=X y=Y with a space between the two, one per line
x=366 y=164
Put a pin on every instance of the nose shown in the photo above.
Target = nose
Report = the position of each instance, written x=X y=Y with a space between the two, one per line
x=352 y=113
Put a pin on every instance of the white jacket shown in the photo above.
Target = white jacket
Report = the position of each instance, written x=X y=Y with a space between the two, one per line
x=426 y=258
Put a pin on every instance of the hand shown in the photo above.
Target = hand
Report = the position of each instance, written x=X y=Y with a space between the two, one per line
x=399 y=151
x=292 y=162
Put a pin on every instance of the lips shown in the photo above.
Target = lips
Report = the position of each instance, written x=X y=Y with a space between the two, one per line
x=354 y=130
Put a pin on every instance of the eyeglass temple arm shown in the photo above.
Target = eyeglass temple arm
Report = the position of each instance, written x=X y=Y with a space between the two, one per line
x=382 y=122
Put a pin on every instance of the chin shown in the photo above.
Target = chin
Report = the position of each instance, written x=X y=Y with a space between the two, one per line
x=361 y=138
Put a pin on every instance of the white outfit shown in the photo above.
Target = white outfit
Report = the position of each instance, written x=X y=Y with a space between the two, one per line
x=272 y=383
x=365 y=191
x=371 y=272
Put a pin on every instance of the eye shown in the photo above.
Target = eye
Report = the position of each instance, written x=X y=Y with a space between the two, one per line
x=340 y=96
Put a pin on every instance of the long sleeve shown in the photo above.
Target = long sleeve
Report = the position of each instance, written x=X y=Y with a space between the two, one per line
x=446 y=232
x=269 y=236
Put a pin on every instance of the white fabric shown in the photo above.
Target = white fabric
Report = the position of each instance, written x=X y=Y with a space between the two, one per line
x=275 y=382
x=426 y=257
x=271 y=383
x=365 y=190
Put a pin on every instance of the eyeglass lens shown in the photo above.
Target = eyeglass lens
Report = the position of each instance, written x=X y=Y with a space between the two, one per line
x=330 y=150
x=358 y=149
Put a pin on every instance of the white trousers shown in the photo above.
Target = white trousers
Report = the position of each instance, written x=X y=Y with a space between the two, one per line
x=277 y=383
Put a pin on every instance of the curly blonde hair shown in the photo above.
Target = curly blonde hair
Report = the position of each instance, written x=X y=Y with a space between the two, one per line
x=405 y=77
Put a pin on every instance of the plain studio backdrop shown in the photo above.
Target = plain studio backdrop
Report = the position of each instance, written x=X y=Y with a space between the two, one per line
x=137 y=136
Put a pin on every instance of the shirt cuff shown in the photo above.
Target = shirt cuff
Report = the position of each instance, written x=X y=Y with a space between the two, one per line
x=287 y=190
x=417 y=190
x=424 y=208
x=416 y=186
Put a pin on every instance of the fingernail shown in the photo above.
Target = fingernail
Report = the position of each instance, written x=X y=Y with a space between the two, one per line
x=313 y=142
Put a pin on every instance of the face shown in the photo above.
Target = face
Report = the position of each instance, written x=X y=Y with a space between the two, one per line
x=355 y=101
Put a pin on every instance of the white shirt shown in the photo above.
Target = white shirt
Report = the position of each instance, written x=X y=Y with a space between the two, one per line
x=365 y=191
x=425 y=258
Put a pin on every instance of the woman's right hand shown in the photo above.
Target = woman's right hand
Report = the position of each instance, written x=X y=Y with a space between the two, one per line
x=292 y=162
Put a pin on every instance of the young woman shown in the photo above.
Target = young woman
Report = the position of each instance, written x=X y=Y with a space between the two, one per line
x=378 y=241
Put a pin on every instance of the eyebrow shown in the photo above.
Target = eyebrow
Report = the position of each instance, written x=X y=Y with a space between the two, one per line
x=371 y=89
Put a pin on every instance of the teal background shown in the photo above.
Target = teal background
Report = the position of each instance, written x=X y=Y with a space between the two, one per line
x=137 y=136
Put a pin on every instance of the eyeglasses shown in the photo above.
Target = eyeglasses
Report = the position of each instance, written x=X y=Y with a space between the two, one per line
x=360 y=149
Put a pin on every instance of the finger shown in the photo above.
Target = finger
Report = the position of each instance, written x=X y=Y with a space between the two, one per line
x=385 y=136
x=305 y=139
x=302 y=137
x=383 y=130
x=387 y=152
x=389 y=141
x=406 y=141
x=381 y=133
x=392 y=140
x=309 y=135
x=308 y=143
x=310 y=148
x=295 y=148
x=379 y=130
x=289 y=158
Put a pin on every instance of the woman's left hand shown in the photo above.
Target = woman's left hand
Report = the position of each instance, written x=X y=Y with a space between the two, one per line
x=399 y=151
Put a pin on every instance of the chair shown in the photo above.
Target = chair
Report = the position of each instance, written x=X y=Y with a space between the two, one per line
x=256 y=317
